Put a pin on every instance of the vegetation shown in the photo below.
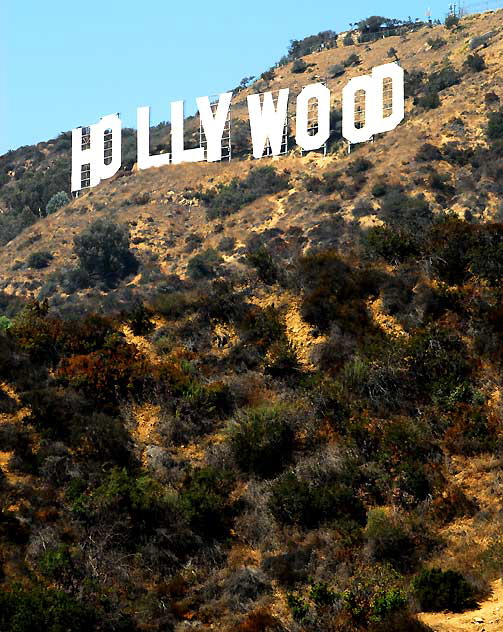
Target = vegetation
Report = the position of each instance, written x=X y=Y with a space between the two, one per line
x=104 y=253
x=56 y=202
x=197 y=443
x=226 y=199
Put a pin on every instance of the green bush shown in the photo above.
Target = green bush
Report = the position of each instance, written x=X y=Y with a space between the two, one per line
x=56 y=202
x=268 y=75
x=348 y=40
x=298 y=66
x=282 y=359
x=475 y=63
x=204 y=265
x=375 y=596
x=438 y=590
x=436 y=42
x=451 y=21
x=429 y=101
x=262 y=260
x=388 y=540
x=495 y=127
x=206 y=500
x=352 y=60
x=294 y=501
x=411 y=214
x=39 y=259
x=336 y=70
x=438 y=361
x=310 y=44
x=391 y=245
x=103 y=252
x=226 y=199
x=39 y=609
x=262 y=439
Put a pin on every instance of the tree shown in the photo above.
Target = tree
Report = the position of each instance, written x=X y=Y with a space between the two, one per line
x=56 y=202
x=104 y=253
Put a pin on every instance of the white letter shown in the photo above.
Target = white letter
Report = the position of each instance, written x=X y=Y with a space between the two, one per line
x=145 y=160
x=394 y=72
x=373 y=86
x=180 y=154
x=313 y=141
x=266 y=122
x=349 y=130
x=111 y=147
x=214 y=125
x=94 y=155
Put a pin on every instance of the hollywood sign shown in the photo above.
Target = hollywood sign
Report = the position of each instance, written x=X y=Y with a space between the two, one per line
x=96 y=150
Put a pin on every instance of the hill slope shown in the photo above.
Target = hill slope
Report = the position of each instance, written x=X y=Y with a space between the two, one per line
x=268 y=403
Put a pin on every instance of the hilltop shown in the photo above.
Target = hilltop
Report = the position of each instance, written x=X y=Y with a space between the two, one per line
x=264 y=395
x=165 y=216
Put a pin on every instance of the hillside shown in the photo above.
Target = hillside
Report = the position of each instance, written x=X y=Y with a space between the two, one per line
x=264 y=395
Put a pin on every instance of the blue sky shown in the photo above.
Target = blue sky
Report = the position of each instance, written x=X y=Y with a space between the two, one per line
x=66 y=63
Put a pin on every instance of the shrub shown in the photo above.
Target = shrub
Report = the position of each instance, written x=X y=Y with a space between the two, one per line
x=39 y=259
x=379 y=189
x=392 y=52
x=204 y=265
x=405 y=212
x=299 y=65
x=294 y=501
x=442 y=79
x=332 y=290
x=229 y=198
x=388 y=540
x=268 y=75
x=206 y=500
x=486 y=255
x=360 y=165
x=495 y=127
x=241 y=140
x=337 y=70
x=262 y=260
x=451 y=21
x=374 y=597
x=298 y=607
x=227 y=244
x=282 y=359
x=428 y=153
x=436 y=42
x=139 y=319
x=429 y=101
x=352 y=60
x=391 y=245
x=438 y=361
x=328 y=183
x=261 y=440
x=475 y=63
x=438 y=590
x=490 y=98
x=310 y=44
x=25 y=609
x=56 y=202
x=106 y=374
x=103 y=252
x=264 y=326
